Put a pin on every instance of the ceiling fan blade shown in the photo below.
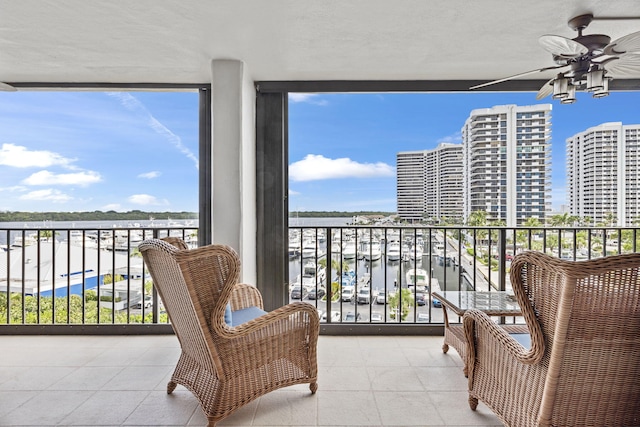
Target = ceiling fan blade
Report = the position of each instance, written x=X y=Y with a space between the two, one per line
x=4 y=87
x=628 y=43
x=626 y=65
x=526 y=73
x=545 y=90
x=562 y=46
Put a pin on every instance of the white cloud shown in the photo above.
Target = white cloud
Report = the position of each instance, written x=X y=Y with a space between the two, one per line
x=317 y=167
x=21 y=157
x=50 y=195
x=45 y=177
x=293 y=193
x=146 y=200
x=150 y=175
x=456 y=138
x=133 y=104
x=14 y=188
x=310 y=98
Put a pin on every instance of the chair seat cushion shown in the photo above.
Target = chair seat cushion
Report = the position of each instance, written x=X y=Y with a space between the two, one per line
x=242 y=316
x=228 y=315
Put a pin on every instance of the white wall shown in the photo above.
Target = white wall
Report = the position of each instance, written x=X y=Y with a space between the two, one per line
x=233 y=162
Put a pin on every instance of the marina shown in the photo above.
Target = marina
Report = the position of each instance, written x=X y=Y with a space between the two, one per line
x=367 y=265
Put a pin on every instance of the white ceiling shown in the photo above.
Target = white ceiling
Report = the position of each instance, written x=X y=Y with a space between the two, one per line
x=170 y=41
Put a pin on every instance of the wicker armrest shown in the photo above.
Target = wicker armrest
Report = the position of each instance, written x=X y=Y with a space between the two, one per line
x=479 y=326
x=304 y=314
x=286 y=333
x=245 y=296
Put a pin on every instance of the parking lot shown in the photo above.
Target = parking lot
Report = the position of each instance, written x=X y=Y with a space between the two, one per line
x=372 y=312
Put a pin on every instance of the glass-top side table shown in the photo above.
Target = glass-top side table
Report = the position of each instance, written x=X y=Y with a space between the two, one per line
x=494 y=303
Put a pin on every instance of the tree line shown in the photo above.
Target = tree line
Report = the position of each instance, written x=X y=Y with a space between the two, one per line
x=134 y=215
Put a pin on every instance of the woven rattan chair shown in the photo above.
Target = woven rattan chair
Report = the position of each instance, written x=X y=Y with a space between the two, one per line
x=583 y=367
x=226 y=365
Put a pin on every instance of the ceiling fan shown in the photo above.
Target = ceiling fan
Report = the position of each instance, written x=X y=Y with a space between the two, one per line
x=590 y=60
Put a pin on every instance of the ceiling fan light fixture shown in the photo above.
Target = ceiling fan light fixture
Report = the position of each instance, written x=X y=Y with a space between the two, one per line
x=570 y=97
x=595 y=80
x=588 y=61
x=601 y=93
x=560 y=87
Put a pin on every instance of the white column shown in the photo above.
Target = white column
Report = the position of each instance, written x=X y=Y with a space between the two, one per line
x=233 y=162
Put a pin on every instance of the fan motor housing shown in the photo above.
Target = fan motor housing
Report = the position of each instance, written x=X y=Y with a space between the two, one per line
x=594 y=42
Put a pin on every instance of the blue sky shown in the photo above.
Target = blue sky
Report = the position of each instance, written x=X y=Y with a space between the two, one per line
x=85 y=151
x=342 y=147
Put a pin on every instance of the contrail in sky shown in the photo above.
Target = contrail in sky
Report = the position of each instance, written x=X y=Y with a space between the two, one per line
x=132 y=103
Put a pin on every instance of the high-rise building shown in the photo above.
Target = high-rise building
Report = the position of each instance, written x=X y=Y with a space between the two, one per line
x=429 y=183
x=506 y=162
x=410 y=186
x=603 y=174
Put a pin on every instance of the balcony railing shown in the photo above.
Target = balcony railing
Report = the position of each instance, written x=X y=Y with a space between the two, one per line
x=79 y=276
x=352 y=274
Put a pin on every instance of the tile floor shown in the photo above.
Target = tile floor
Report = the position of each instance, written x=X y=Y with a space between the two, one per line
x=120 y=381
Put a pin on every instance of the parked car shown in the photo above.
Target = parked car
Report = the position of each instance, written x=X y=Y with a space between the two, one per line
x=316 y=293
x=507 y=257
x=148 y=302
x=352 y=317
x=423 y=317
x=335 y=316
x=364 y=296
x=348 y=293
x=436 y=302
x=382 y=298
x=421 y=299
x=376 y=317
x=298 y=292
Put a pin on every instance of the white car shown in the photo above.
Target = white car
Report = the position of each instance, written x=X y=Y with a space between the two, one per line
x=348 y=293
x=335 y=316
x=148 y=302
x=423 y=317
x=382 y=298
x=364 y=296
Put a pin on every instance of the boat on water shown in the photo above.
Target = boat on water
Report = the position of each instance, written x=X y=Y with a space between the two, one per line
x=448 y=259
x=393 y=251
x=371 y=251
x=349 y=250
x=295 y=246
x=311 y=249
x=312 y=275
x=417 y=279
x=336 y=247
x=416 y=252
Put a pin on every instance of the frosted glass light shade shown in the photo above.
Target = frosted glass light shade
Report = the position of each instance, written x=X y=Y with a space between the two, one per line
x=595 y=80
x=560 y=88
x=570 y=97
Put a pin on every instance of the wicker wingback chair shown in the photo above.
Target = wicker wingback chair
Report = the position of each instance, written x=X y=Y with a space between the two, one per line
x=583 y=367
x=227 y=366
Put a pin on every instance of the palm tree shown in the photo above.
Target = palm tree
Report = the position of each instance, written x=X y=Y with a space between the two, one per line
x=477 y=219
x=586 y=221
x=522 y=236
x=563 y=219
x=337 y=267
x=402 y=299
x=610 y=219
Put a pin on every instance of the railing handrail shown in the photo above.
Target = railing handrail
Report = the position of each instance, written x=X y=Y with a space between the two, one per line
x=480 y=252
